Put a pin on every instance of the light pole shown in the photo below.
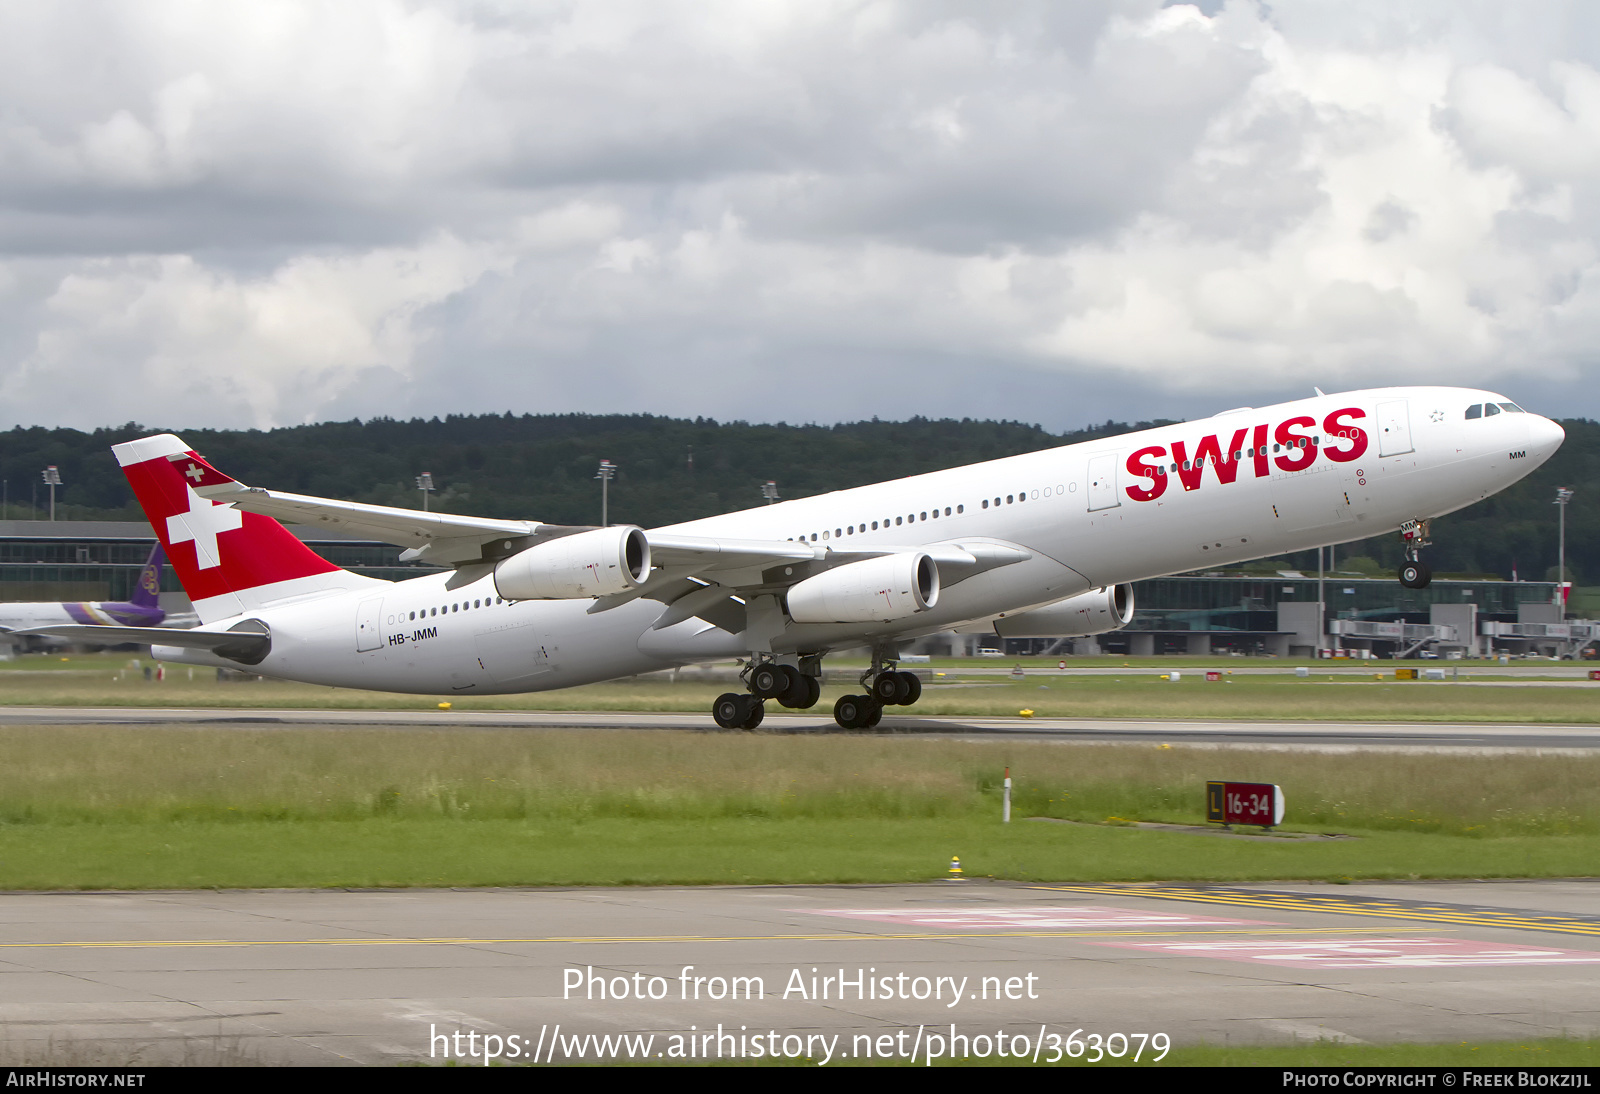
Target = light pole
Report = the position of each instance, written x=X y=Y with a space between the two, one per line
x=770 y=491
x=607 y=472
x=1322 y=604
x=425 y=484
x=52 y=478
x=1563 y=495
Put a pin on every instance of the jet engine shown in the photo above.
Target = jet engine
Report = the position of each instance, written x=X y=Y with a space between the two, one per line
x=874 y=590
x=1094 y=612
x=594 y=563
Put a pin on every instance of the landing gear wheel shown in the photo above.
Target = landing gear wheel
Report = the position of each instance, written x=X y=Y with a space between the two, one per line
x=913 y=688
x=890 y=689
x=732 y=710
x=794 y=689
x=1416 y=575
x=813 y=688
x=758 y=711
x=768 y=681
x=856 y=711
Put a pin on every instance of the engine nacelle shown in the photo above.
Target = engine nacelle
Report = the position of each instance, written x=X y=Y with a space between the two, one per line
x=874 y=590
x=594 y=563
x=1093 y=612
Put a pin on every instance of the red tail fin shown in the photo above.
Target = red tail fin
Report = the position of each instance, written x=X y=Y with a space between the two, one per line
x=229 y=561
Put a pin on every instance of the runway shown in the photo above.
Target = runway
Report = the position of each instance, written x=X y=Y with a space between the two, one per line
x=1331 y=735
x=831 y=973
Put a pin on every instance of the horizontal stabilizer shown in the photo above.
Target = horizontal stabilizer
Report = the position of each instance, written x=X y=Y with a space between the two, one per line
x=247 y=646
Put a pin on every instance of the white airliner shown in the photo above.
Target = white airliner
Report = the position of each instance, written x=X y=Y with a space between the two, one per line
x=1042 y=544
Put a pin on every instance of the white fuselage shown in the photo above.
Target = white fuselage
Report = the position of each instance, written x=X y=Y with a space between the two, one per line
x=18 y=616
x=1091 y=515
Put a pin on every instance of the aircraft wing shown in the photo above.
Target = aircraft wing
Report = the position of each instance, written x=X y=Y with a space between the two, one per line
x=712 y=553
x=436 y=537
x=448 y=539
x=692 y=574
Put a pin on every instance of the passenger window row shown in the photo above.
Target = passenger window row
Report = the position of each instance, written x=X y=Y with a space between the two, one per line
x=462 y=606
x=912 y=518
x=852 y=529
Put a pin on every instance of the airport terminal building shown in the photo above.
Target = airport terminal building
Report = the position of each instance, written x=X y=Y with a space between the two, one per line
x=1255 y=614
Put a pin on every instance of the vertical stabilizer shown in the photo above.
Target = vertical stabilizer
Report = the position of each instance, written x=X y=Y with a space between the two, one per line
x=229 y=562
x=147 y=591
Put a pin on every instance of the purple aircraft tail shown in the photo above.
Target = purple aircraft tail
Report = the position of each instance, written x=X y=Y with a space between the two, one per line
x=147 y=592
x=143 y=609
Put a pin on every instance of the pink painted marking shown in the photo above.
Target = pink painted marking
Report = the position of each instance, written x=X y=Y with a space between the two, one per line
x=1365 y=953
x=1031 y=917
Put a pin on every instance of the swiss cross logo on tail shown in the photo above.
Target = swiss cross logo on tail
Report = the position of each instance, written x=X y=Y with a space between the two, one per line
x=201 y=525
x=200 y=473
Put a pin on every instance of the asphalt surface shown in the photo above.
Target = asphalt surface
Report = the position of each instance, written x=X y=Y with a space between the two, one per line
x=827 y=972
x=1325 y=735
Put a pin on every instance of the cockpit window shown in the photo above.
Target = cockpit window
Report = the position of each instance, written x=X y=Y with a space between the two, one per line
x=1475 y=410
x=1490 y=410
x=1512 y=408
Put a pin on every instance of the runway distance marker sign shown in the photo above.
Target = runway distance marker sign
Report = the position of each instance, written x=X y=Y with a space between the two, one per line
x=1244 y=803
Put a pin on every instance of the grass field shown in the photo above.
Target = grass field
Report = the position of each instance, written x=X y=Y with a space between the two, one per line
x=96 y=807
x=160 y=807
x=105 y=680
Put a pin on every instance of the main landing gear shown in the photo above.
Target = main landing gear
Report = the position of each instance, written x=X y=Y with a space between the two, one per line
x=799 y=688
x=885 y=686
x=766 y=680
x=1414 y=573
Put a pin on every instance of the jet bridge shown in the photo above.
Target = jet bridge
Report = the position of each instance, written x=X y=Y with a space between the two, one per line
x=1567 y=639
x=1408 y=637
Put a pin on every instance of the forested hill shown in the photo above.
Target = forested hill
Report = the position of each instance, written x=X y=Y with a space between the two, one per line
x=543 y=467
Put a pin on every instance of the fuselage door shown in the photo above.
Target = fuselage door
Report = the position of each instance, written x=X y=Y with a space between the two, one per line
x=1394 y=428
x=1103 y=483
x=369 y=630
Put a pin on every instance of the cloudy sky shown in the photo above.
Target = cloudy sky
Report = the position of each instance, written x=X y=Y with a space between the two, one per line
x=256 y=214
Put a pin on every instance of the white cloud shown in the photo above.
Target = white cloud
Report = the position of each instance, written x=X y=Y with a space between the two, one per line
x=250 y=215
x=178 y=341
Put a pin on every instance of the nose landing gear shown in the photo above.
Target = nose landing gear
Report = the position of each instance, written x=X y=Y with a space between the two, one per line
x=1415 y=574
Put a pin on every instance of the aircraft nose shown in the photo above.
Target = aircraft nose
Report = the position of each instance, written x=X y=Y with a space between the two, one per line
x=1544 y=436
